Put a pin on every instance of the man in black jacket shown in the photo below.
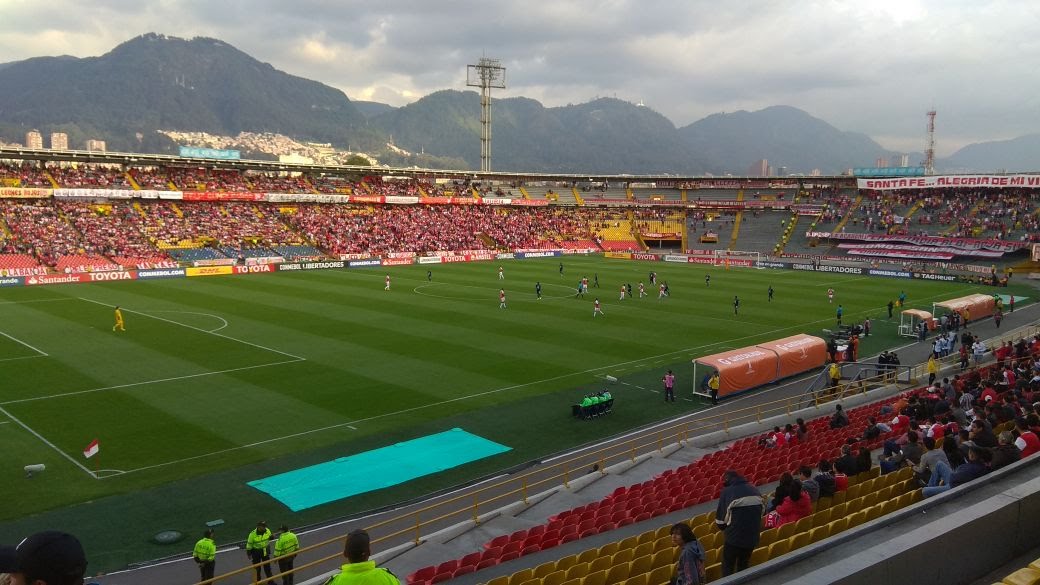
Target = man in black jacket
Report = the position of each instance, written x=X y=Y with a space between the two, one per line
x=740 y=515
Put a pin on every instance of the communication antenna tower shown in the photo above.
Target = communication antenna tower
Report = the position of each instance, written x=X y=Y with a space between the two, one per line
x=486 y=74
x=929 y=153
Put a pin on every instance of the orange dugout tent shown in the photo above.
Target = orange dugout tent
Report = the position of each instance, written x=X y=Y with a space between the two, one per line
x=977 y=306
x=746 y=368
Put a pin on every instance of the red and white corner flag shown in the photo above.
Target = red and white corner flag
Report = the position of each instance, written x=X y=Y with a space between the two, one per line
x=92 y=449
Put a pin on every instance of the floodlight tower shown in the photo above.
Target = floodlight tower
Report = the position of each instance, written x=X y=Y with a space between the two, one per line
x=486 y=74
x=929 y=153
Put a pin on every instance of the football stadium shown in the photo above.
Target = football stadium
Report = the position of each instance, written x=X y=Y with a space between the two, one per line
x=516 y=378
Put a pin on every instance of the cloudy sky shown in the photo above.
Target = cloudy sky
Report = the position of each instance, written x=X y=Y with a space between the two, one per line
x=870 y=66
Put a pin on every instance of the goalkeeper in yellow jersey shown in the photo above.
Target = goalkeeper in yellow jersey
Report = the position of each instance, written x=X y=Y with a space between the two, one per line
x=119 y=320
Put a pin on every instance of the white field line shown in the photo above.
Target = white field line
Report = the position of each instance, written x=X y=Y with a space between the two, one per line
x=48 y=443
x=217 y=317
x=6 y=422
x=841 y=281
x=24 y=357
x=215 y=334
x=147 y=382
x=16 y=340
x=469 y=396
x=37 y=301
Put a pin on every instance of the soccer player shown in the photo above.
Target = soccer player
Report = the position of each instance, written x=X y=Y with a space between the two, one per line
x=119 y=320
x=387 y=287
x=585 y=283
x=642 y=290
x=830 y=295
x=653 y=277
x=538 y=290
x=596 y=310
x=669 y=386
x=595 y=280
x=561 y=269
x=770 y=293
x=902 y=299
x=501 y=298
x=838 y=314
x=429 y=275
x=501 y=273
x=660 y=292
x=581 y=290
x=622 y=293
x=707 y=280
x=736 y=304
x=628 y=288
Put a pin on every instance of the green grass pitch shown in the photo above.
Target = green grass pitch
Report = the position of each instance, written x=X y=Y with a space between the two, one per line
x=221 y=380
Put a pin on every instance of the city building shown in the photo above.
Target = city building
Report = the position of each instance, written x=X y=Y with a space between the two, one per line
x=96 y=145
x=759 y=168
x=34 y=140
x=881 y=162
x=59 y=141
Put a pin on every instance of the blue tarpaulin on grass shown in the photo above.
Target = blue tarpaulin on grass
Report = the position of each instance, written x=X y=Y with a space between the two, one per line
x=372 y=470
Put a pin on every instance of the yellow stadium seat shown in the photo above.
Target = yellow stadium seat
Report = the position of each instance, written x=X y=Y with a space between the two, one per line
x=903 y=474
x=837 y=526
x=1035 y=564
x=600 y=564
x=870 y=499
x=824 y=502
x=838 y=498
x=638 y=579
x=532 y=582
x=660 y=575
x=853 y=506
x=663 y=531
x=803 y=525
x=608 y=549
x=648 y=536
x=888 y=506
x=566 y=562
x=702 y=530
x=1026 y=576
x=555 y=578
x=759 y=556
x=916 y=496
x=768 y=537
x=874 y=472
x=663 y=543
x=819 y=533
x=578 y=571
x=799 y=540
x=853 y=492
x=641 y=565
x=821 y=518
x=576 y=581
x=587 y=556
x=503 y=580
x=711 y=556
x=595 y=578
x=785 y=531
x=521 y=576
x=713 y=571
x=779 y=548
x=646 y=548
x=663 y=557
x=623 y=556
x=617 y=574
x=857 y=519
x=628 y=543
x=705 y=518
x=544 y=569
x=873 y=512
x=885 y=493
x=837 y=511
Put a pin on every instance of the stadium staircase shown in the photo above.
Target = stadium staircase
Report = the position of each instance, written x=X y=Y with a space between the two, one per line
x=489 y=241
x=629 y=194
x=171 y=185
x=130 y=179
x=956 y=224
x=577 y=196
x=849 y=214
x=736 y=223
x=177 y=210
x=523 y=191
x=917 y=206
x=475 y=193
x=682 y=196
x=50 y=178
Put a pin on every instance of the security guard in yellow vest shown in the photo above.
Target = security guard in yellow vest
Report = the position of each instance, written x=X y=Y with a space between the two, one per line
x=256 y=548
x=285 y=552
x=205 y=554
x=359 y=570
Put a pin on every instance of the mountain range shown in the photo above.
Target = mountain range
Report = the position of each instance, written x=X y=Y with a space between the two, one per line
x=157 y=82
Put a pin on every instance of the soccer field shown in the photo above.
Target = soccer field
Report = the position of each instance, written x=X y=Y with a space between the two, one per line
x=218 y=381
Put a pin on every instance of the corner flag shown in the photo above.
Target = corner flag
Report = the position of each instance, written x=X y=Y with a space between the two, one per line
x=92 y=449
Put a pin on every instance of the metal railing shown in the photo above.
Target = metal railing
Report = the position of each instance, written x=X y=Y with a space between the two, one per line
x=468 y=507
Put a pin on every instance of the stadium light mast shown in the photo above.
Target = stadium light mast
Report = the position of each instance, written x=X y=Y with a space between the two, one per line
x=929 y=153
x=486 y=74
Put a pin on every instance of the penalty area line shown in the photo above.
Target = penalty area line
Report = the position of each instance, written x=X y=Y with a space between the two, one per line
x=46 y=442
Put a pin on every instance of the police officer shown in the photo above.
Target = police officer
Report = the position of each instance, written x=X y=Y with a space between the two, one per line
x=359 y=570
x=256 y=548
x=285 y=551
x=205 y=554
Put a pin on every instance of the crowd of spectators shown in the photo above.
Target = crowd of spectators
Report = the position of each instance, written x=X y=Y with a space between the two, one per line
x=85 y=176
x=37 y=228
x=115 y=230
x=22 y=175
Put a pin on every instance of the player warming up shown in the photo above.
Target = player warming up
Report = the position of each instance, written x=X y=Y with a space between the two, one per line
x=596 y=309
x=830 y=295
x=770 y=293
x=622 y=293
x=707 y=280
x=387 y=286
x=501 y=273
x=119 y=320
x=660 y=292
x=501 y=298
x=538 y=290
x=736 y=304
x=642 y=290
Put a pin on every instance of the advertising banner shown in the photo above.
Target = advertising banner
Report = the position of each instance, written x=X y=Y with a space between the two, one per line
x=827 y=268
x=312 y=265
x=618 y=255
x=400 y=200
x=545 y=254
x=797 y=354
x=742 y=369
x=496 y=201
x=208 y=271
x=216 y=153
x=56 y=279
x=676 y=258
x=112 y=275
x=265 y=260
x=395 y=261
x=95 y=193
x=221 y=196
x=641 y=256
x=254 y=269
x=363 y=263
x=944 y=181
x=215 y=262
x=24 y=193
x=890 y=273
x=430 y=260
x=12 y=281
x=163 y=273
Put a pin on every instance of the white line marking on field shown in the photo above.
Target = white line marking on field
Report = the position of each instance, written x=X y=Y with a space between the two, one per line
x=351 y=427
x=146 y=382
x=250 y=343
x=217 y=317
x=6 y=422
x=612 y=367
x=24 y=357
x=16 y=340
x=48 y=443
x=841 y=281
x=37 y=301
x=634 y=386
